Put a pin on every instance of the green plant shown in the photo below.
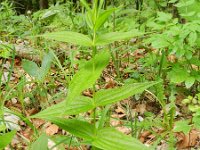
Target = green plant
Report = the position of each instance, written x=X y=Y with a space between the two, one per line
x=5 y=137
x=93 y=132
x=39 y=74
x=75 y=104
x=192 y=102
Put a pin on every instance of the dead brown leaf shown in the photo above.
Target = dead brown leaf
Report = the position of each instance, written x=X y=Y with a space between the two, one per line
x=187 y=141
x=52 y=129
x=141 y=108
x=110 y=83
x=38 y=122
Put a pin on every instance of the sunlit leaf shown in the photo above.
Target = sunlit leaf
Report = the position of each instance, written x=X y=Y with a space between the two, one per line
x=103 y=17
x=189 y=81
x=69 y=37
x=76 y=127
x=178 y=74
x=78 y=105
x=182 y=126
x=110 y=139
x=108 y=96
x=6 y=138
x=88 y=75
x=111 y=37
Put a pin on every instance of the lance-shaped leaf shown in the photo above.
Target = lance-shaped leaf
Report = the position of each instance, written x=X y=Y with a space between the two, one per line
x=85 y=4
x=78 y=105
x=6 y=138
x=110 y=139
x=76 y=127
x=69 y=37
x=111 y=37
x=46 y=63
x=104 y=97
x=88 y=75
x=103 y=17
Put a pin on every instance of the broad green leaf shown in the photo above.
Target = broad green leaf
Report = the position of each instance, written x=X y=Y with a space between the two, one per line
x=182 y=126
x=46 y=63
x=40 y=143
x=178 y=74
x=69 y=37
x=55 y=110
x=104 y=97
x=103 y=17
x=76 y=127
x=111 y=37
x=160 y=41
x=38 y=72
x=88 y=75
x=6 y=138
x=164 y=17
x=78 y=105
x=111 y=139
x=189 y=9
x=31 y=68
x=192 y=38
x=189 y=81
x=184 y=3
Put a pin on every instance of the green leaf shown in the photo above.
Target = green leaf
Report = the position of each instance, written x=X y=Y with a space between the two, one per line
x=164 y=17
x=184 y=3
x=104 y=97
x=196 y=119
x=106 y=138
x=178 y=74
x=78 y=105
x=6 y=138
x=103 y=17
x=172 y=1
x=88 y=19
x=189 y=82
x=111 y=139
x=48 y=14
x=69 y=37
x=31 y=68
x=182 y=126
x=85 y=4
x=2 y=127
x=192 y=38
x=46 y=64
x=40 y=143
x=116 y=36
x=88 y=75
x=76 y=127
x=159 y=41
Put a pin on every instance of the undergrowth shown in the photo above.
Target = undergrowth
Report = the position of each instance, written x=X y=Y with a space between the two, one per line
x=113 y=75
